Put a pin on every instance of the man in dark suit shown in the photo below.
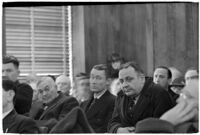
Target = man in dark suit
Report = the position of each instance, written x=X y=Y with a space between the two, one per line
x=139 y=99
x=100 y=106
x=12 y=121
x=183 y=118
x=56 y=105
x=162 y=76
x=24 y=93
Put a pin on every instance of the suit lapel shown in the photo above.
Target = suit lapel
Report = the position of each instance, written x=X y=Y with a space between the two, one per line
x=142 y=102
x=9 y=120
x=100 y=102
x=140 y=106
x=58 y=100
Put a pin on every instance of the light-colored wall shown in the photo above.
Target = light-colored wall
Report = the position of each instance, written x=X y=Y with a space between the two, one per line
x=78 y=40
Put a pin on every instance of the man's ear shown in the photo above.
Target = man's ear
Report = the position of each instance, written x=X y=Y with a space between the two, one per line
x=11 y=95
x=169 y=81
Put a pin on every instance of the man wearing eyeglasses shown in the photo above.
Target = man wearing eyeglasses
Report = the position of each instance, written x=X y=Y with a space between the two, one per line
x=24 y=93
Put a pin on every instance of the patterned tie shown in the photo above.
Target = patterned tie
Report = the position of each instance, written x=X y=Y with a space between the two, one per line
x=131 y=106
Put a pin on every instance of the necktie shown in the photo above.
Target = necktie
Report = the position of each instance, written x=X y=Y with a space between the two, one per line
x=131 y=106
x=92 y=103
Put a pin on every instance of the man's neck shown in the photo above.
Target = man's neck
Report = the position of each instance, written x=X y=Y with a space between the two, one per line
x=8 y=108
x=97 y=94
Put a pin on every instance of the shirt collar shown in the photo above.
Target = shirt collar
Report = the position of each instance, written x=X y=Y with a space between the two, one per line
x=6 y=113
x=102 y=92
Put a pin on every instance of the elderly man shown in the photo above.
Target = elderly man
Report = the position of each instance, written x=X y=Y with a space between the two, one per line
x=183 y=118
x=100 y=106
x=162 y=76
x=56 y=105
x=24 y=93
x=63 y=84
x=139 y=99
x=12 y=121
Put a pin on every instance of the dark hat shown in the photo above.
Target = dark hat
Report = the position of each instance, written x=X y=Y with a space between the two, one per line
x=178 y=82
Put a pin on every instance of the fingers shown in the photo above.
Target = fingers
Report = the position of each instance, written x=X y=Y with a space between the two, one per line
x=191 y=105
x=189 y=115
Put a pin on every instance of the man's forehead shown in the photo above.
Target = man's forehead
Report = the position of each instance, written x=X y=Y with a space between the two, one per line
x=97 y=72
x=191 y=73
x=62 y=79
x=42 y=85
x=8 y=65
x=161 y=71
x=130 y=71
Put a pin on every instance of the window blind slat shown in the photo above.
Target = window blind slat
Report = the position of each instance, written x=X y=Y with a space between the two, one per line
x=47 y=38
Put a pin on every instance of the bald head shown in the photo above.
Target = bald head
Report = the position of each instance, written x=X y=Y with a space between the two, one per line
x=63 y=84
x=175 y=73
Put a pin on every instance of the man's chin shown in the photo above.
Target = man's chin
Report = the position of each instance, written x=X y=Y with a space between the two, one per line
x=95 y=90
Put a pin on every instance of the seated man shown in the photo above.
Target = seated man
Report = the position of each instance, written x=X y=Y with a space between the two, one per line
x=162 y=76
x=63 y=84
x=99 y=107
x=139 y=99
x=12 y=121
x=183 y=118
x=56 y=105
x=24 y=93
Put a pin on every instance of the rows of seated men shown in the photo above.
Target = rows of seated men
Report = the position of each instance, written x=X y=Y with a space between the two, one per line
x=122 y=101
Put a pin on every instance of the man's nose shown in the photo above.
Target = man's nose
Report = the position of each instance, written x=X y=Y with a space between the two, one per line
x=124 y=84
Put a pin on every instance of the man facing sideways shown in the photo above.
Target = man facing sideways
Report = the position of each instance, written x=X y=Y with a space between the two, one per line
x=56 y=105
x=162 y=76
x=24 y=93
x=100 y=106
x=139 y=99
x=12 y=121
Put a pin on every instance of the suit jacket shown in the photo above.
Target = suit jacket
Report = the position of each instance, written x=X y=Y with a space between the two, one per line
x=16 y=123
x=56 y=110
x=155 y=125
x=74 y=122
x=36 y=110
x=153 y=102
x=99 y=115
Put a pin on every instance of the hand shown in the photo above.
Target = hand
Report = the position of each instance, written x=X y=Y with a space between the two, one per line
x=125 y=130
x=182 y=112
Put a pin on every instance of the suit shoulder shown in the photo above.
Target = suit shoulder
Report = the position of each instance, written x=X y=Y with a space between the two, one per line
x=156 y=89
x=67 y=99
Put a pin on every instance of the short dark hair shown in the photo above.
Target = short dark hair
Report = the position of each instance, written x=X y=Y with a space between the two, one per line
x=11 y=59
x=102 y=67
x=169 y=73
x=9 y=85
x=116 y=57
x=134 y=65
